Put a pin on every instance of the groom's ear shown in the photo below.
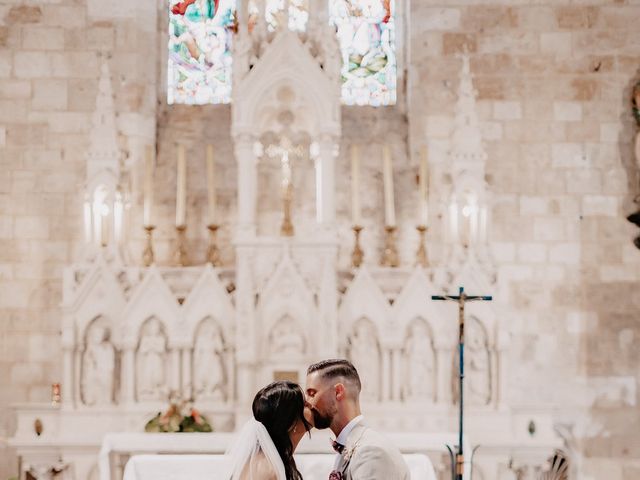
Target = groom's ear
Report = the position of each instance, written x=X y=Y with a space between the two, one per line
x=340 y=391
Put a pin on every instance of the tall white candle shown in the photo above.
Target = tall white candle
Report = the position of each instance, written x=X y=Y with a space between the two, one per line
x=424 y=187
x=387 y=172
x=474 y=214
x=453 y=221
x=97 y=220
x=181 y=188
x=104 y=221
x=148 y=185
x=87 y=221
x=211 y=185
x=483 y=224
x=355 y=185
x=118 y=214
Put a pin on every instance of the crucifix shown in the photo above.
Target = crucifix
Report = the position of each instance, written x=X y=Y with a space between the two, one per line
x=284 y=150
x=462 y=298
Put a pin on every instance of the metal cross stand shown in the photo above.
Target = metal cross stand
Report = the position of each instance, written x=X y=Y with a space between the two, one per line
x=461 y=298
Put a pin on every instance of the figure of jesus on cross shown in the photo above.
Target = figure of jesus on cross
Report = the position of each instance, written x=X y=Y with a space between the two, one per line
x=462 y=298
x=284 y=150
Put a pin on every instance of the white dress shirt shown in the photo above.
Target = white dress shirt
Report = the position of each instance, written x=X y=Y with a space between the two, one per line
x=344 y=435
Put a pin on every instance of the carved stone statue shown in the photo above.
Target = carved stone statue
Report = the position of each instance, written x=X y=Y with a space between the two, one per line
x=209 y=373
x=285 y=338
x=420 y=371
x=477 y=364
x=364 y=353
x=98 y=364
x=151 y=381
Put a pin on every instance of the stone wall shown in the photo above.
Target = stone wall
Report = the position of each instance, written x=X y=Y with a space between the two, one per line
x=50 y=55
x=553 y=83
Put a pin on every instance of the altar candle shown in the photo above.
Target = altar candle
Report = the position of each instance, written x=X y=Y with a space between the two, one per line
x=387 y=171
x=118 y=214
x=453 y=221
x=211 y=185
x=87 y=221
x=355 y=184
x=148 y=185
x=424 y=187
x=97 y=221
x=104 y=220
x=483 y=224
x=473 y=223
x=181 y=188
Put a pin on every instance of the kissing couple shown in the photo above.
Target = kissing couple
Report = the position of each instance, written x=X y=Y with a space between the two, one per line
x=283 y=414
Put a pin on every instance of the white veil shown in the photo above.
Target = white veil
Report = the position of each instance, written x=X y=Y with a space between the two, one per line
x=253 y=455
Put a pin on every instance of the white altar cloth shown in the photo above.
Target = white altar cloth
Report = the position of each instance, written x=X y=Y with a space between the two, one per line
x=213 y=467
x=131 y=444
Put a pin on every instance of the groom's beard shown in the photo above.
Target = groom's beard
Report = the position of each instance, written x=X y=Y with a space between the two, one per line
x=321 y=421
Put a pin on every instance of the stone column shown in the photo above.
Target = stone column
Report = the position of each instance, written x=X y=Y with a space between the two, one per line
x=128 y=374
x=386 y=375
x=328 y=305
x=174 y=370
x=444 y=375
x=76 y=360
x=325 y=181
x=247 y=183
x=187 y=381
x=70 y=383
x=245 y=341
x=396 y=362
x=230 y=370
x=501 y=351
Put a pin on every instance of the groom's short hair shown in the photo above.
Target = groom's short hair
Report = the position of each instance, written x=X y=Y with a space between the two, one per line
x=337 y=367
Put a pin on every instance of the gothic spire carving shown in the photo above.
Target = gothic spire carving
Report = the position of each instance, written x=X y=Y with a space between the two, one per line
x=103 y=145
x=467 y=139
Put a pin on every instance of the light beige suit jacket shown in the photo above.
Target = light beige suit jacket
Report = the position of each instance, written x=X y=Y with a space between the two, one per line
x=368 y=455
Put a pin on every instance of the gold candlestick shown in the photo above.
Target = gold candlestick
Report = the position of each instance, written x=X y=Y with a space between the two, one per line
x=390 y=254
x=286 y=229
x=357 y=255
x=147 y=253
x=180 y=253
x=213 y=253
x=421 y=254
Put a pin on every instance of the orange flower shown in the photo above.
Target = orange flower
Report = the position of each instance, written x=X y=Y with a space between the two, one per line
x=196 y=416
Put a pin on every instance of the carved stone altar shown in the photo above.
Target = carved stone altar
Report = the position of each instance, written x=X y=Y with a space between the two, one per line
x=132 y=335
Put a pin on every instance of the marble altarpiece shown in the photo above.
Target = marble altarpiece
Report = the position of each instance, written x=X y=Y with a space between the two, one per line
x=134 y=334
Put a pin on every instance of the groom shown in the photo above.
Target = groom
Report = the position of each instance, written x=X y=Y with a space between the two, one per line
x=333 y=395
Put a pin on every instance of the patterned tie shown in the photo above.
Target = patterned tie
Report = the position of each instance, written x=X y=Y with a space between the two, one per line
x=338 y=447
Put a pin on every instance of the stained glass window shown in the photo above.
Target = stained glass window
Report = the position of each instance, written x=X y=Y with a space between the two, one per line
x=201 y=32
x=200 y=35
x=274 y=13
x=366 y=33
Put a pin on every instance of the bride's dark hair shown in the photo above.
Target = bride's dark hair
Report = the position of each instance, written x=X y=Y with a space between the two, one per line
x=279 y=406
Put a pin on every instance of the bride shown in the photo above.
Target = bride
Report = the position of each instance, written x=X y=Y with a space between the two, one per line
x=264 y=448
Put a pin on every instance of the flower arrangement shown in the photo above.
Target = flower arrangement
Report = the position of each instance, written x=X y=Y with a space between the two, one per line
x=181 y=416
